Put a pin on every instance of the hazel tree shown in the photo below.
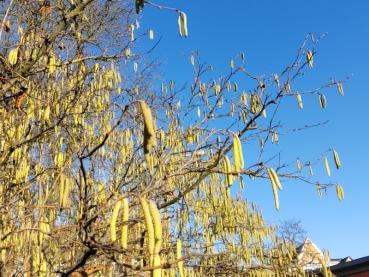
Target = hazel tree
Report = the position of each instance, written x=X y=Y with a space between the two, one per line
x=103 y=172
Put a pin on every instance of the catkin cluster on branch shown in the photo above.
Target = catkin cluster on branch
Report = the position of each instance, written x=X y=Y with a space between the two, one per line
x=114 y=219
x=154 y=233
x=237 y=154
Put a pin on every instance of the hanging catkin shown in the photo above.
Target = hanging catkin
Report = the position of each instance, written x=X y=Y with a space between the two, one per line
x=149 y=127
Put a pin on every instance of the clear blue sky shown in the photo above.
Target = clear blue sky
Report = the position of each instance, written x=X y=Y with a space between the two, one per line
x=270 y=32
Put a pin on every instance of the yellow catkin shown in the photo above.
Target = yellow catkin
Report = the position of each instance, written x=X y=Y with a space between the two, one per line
x=113 y=221
x=275 y=178
x=182 y=24
x=13 y=56
x=36 y=259
x=217 y=89
x=326 y=165
x=64 y=191
x=228 y=86
x=67 y=187
x=255 y=103
x=52 y=65
x=340 y=89
x=340 y=193
x=132 y=32
x=124 y=235
x=150 y=162
x=151 y=34
x=149 y=228
x=228 y=170
x=298 y=165
x=311 y=170
x=235 y=87
x=128 y=52
x=336 y=159
x=158 y=234
x=237 y=154
x=310 y=58
x=299 y=101
x=179 y=257
x=322 y=101
x=275 y=186
x=319 y=190
x=192 y=60
x=61 y=190
x=156 y=262
x=263 y=113
x=43 y=268
x=149 y=127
